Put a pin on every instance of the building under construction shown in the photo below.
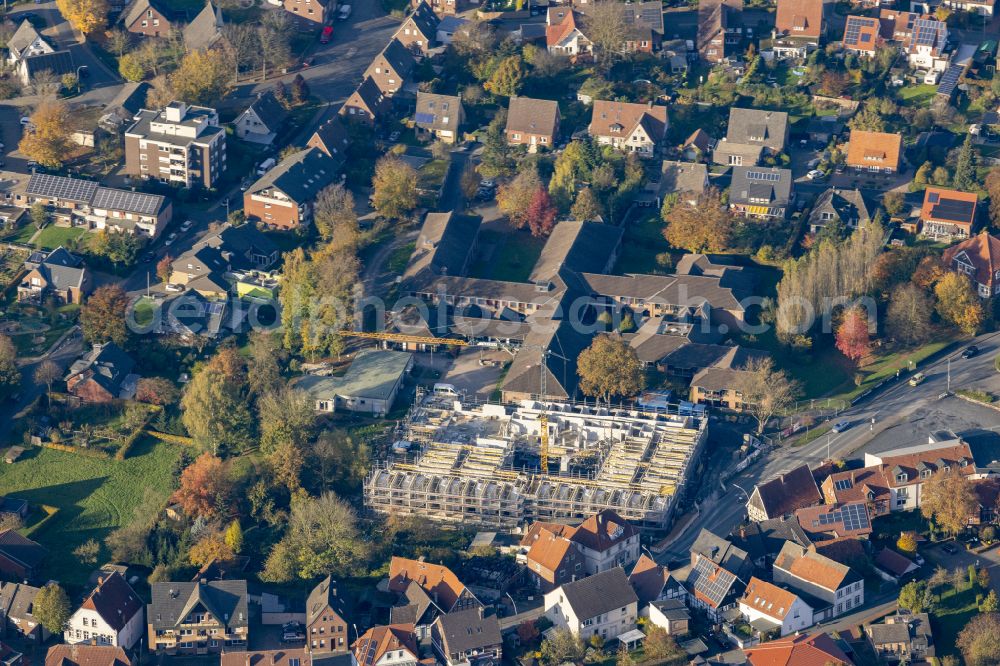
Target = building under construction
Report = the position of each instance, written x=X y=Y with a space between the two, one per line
x=479 y=464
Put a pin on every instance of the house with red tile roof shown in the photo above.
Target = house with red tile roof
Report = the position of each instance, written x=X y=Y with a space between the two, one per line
x=862 y=35
x=111 y=615
x=783 y=495
x=653 y=582
x=948 y=214
x=633 y=128
x=799 y=26
x=89 y=655
x=895 y=565
x=386 y=645
x=800 y=650
x=436 y=580
x=563 y=35
x=768 y=607
x=907 y=469
x=874 y=151
x=825 y=580
x=859 y=485
x=832 y=521
x=553 y=559
x=979 y=258
x=605 y=540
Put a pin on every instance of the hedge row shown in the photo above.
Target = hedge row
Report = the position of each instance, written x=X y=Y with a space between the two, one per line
x=50 y=513
x=93 y=453
x=170 y=439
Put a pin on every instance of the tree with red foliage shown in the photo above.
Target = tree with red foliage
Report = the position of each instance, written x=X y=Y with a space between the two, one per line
x=163 y=268
x=853 y=337
x=541 y=213
x=205 y=488
x=156 y=391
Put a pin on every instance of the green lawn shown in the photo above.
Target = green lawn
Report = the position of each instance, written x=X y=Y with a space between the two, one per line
x=952 y=614
x=399 y=258
x=23 y=233
x=917 y=95
x=512 y=259
x=52 y=236
x=94 y=496
x=144 y=311
x=431 y=175
x=642 y=242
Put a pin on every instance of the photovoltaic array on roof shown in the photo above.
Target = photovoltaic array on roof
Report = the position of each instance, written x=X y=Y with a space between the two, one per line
x=852 y=516
x=712 y=580
x=953 y=210
x=60 y=187
x=925 y=32
x=135 y=202
x=854 y=26
x=768 y=176
x=426 y=118
x=949 y=80
x=842 y=484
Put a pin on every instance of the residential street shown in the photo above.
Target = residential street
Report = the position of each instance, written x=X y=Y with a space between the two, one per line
x=916 y=413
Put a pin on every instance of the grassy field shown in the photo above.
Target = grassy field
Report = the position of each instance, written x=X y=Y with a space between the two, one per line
x=52 y=236
x=513 y=258
x=917 y=95
x=952 y=614
x=144 y=311
x=642 y=242
x=94 y=496
x=399 y=258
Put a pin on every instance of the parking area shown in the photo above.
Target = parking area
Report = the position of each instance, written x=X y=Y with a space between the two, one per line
x=475 y=373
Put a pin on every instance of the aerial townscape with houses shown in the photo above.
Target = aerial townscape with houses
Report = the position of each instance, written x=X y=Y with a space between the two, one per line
x=499 y=332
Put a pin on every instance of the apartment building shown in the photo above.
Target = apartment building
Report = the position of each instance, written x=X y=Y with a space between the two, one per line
x=283 y=197
x=181 y=145
x=326 y=626
x=199 y=617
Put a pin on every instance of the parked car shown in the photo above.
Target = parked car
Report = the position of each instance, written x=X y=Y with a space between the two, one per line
x=148 y=258
x=170 y=239
x=840 y=426
x=326 y=35
x=25 y=121
x=487 y=182
x=265 y=165
x=970 y=351
x=187 y=225
x=949 y=548
x=345 y=12
x=917 y=378
x=292 y=631
x=170 y=286
x=307 y=63
x=815 y=174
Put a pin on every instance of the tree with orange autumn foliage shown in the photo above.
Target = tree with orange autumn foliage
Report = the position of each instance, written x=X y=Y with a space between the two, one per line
x=853 y=338
x=205 y=487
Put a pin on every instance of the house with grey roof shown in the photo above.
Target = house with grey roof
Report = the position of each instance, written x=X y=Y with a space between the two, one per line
x=904 y=637
x=205 y=30
x=20 y=557
x=751 y=135
x=603 y=605
x=369 y=386
x=205 y=616
x=102 y=374
x=718 y=574
x=367 y=104
x=445 y=246
x=390 y=69
x=283 y=197
x=332 y=138
x=467 y=638
x=84 y=203
x=262 y=120
x=418 y=31
x=763 y=540
x=26 y=42
x=326 y=619
x=716 y=384
x=761 y=192
x=687 y=180
x=58 y=275
x=55 y=62
x=16 y=617
x=122 y=110
x=847 y=208
x=439 y=116
x=223 y=257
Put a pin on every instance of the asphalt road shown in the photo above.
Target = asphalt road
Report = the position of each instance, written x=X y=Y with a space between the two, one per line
x=904 y=415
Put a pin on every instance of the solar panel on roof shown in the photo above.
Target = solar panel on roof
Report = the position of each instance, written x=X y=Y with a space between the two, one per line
x=61 y=187
x=424 y=117
x=954 y=211
x=763 y=175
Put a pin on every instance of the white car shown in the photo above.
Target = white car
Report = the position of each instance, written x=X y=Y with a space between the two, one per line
x=25 y=120
x=174 y=287
x=187 y=225
x=345 y=12
x=170 y=239
x=815 y=174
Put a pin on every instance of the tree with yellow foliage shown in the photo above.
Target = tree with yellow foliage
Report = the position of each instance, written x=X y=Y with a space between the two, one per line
x=958 y=303
x=210 y=547
x=86 y=16
x=49 y=142
x=907 y=543
x=203 y=77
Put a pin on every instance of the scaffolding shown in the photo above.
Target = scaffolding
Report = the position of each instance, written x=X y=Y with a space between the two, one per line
x=478 y=463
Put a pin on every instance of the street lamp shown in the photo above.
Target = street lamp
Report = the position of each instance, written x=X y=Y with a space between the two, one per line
x=741 y=488
x=511 y=603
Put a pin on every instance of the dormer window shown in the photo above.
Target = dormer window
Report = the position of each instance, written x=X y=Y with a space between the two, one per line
x=902 y=477
x=925 y=473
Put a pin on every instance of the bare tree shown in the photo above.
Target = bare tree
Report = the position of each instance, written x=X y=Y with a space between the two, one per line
x=45 y=83
x=243 y=45
x=764 y=390
x=47 y=373
x=606 y=28
x=119 y=41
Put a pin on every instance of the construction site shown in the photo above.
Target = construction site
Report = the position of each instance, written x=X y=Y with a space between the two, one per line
x=490 y=465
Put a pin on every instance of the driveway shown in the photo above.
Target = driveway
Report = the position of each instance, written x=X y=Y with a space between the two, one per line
x=473 y=379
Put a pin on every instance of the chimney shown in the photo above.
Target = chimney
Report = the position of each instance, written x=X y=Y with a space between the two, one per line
x=100 y=581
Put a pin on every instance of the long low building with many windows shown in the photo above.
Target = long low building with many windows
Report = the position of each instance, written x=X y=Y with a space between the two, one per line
x=480 y=464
